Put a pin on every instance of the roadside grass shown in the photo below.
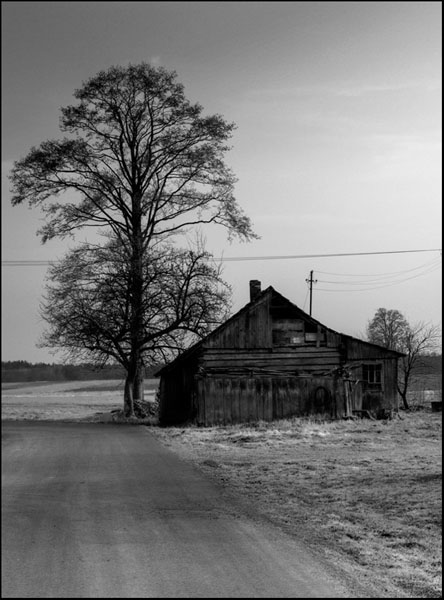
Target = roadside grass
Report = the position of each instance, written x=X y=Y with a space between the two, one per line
x=365 y=494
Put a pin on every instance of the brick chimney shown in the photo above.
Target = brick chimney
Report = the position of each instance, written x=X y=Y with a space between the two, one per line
x=255 y=289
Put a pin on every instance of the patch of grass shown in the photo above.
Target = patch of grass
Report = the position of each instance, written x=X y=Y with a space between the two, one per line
x=365 y=493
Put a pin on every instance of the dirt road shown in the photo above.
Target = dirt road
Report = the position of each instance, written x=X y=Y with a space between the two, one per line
x=105 y=511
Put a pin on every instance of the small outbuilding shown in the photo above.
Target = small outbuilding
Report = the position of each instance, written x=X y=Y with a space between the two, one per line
x=271 y=360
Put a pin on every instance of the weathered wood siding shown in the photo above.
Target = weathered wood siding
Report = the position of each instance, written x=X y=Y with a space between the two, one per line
x=390 y=373
x=376 y=401
x=226 y=400
x=250 y=329
x=293 y=360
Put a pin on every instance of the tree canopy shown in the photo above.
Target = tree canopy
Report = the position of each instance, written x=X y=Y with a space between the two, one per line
x=137 y=150
x=142 y=163
x=388 y=328
x=88 y=302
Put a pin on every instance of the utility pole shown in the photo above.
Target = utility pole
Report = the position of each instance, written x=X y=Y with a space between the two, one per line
x=311 y=281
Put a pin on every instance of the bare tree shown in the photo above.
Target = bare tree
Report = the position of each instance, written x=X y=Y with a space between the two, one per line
x=138 y=159
x=87 y=305
x=390 y=329
x=420 y=340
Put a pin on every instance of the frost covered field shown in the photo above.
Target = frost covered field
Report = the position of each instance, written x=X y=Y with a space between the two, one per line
x=65 y=401
x=366 y=494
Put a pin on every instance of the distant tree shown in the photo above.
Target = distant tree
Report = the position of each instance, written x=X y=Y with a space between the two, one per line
x=421 y=339
x=88 y=301
x=15 y=364
x=139 y=160
x=389 y=328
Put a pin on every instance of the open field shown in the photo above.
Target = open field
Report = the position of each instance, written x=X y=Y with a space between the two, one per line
x=69 y=400
x=366 y=495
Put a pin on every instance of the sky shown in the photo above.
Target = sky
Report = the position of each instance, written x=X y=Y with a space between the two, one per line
x=337 y=149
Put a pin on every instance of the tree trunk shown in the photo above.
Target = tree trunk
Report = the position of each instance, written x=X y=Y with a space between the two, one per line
x=135 y=370
x=138 y=384
x=403 y=386
x=128 y=399
x=404 y=401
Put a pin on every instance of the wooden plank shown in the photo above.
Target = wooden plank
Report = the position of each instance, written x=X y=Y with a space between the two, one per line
x=277 y=398
x=235 y=408
x=243 y=400
x=261 y=391
x=209 y=404
x=268 y=400
x=228 y=401
x=269 y=360
x=251 y=354
x=200 y=401
x=287 y=403
x=266 y=362
x=259 y=399
x=287 y=351
x=218 y=400
x=251 y=400
x=294 y=397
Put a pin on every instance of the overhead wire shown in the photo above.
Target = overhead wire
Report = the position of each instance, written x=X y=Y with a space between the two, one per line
x=326 y=255
x=306 y=296
x=382 y=277
x=381 y=285
x=382 y=280
x=32 y=262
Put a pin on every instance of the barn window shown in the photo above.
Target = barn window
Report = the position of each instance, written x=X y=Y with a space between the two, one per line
x=288 y=332
x=372 y=376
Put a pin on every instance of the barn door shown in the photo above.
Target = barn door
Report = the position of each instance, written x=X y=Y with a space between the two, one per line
x=323 y=401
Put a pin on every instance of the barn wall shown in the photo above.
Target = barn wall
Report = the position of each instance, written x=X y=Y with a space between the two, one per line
x=293 y=360
x=223 y=395
x=376 y=401
x=391 y=398
x=250 y=329
x=227 y=400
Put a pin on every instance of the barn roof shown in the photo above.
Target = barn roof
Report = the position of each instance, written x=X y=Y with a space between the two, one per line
x=270 y=291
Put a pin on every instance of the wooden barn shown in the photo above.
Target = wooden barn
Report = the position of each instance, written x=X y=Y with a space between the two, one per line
x=272 y=360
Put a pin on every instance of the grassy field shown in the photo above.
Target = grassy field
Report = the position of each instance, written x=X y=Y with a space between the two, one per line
x=366 y=495
x=69 y=400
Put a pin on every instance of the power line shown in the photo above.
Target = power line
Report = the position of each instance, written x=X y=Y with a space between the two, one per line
x=381 y=275
x=236 y=258
x=306 y=296
x=381 y=285
x=32 y=263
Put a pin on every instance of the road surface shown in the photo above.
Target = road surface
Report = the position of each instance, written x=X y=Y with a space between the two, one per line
x=105 y=511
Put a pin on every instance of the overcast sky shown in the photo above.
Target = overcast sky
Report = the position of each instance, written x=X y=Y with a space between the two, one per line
x=337 y=148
